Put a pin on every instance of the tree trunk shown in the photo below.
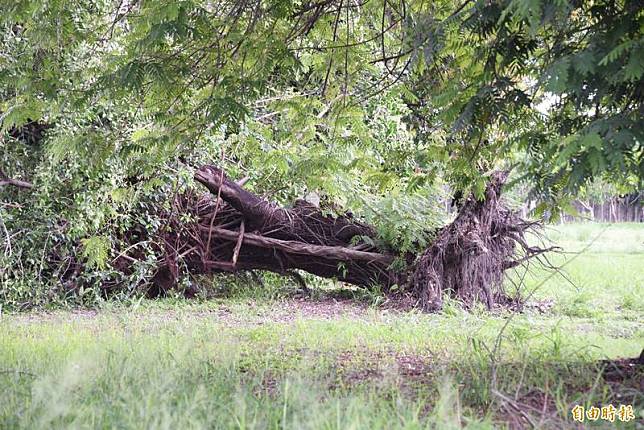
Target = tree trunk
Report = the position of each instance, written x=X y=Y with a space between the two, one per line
x=237 y=230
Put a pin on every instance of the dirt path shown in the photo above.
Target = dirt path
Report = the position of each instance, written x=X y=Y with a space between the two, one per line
x=285 y=311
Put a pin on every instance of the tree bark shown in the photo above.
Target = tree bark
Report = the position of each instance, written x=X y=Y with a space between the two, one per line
x=237 y=230
x=5 y=180
x=304 y=222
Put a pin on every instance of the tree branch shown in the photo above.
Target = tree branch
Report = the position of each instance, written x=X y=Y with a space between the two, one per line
x=301 y=248
x=5 y=180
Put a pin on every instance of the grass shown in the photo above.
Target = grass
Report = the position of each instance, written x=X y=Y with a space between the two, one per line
x=266 y=360
x=605 y=282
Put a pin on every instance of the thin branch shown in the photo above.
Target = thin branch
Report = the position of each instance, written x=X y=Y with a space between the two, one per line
x=335 y=36
x=239 y=243
x=5 y=180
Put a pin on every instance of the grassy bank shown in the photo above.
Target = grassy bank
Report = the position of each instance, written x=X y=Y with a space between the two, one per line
x=250 y=362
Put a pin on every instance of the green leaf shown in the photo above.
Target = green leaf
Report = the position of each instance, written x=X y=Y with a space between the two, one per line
x=635 y=67
x=591 y=140
x=96 y=251
x=557 y=76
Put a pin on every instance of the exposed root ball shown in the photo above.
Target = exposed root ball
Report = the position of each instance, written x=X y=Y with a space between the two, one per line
x=468 y=258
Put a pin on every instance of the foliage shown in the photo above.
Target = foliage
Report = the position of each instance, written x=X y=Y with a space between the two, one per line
x=554 y=86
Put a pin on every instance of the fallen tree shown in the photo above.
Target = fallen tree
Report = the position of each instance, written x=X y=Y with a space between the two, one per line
x=234 y=230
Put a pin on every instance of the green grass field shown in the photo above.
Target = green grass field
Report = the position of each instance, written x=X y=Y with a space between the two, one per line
x=275 y=361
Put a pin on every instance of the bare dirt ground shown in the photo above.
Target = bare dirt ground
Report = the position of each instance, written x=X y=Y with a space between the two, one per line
x=286 y=311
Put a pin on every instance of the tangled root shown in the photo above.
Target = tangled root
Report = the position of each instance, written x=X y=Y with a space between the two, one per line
x=469 y=257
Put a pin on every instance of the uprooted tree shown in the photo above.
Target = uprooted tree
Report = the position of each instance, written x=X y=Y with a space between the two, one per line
x=235 y=230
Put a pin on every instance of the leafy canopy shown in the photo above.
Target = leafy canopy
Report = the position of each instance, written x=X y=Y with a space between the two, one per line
x=554 y=85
